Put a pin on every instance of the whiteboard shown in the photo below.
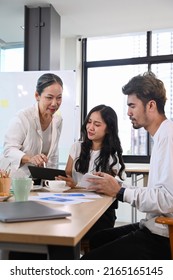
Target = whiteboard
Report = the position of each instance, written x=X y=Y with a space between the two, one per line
x=17 y=91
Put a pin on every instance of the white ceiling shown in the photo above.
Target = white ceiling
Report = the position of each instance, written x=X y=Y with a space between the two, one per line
x=88 y=18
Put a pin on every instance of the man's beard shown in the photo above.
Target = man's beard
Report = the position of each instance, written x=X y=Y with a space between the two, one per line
x=136 y=126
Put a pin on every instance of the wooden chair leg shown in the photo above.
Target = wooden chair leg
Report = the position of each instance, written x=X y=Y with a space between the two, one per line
x=171 y=239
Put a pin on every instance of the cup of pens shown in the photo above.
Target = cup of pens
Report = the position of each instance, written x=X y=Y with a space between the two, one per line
x=5 y=183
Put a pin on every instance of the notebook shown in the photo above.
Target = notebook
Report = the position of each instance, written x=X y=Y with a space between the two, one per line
x=28 y=211
x=45 y=173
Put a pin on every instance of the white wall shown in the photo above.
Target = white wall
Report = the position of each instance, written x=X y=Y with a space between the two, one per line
x=71 y=54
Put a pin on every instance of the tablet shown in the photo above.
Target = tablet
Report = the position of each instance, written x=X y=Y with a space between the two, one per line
x=45 y=173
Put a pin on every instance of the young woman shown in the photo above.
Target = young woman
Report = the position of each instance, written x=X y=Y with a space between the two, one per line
x=99 y=149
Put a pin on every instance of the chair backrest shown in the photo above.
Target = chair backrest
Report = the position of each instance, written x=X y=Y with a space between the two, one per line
x=167 y=221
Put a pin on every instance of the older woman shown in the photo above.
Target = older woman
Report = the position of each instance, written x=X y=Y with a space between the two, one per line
x=33 y=134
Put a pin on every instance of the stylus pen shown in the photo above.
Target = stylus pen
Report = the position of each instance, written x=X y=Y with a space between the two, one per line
x=44 y=164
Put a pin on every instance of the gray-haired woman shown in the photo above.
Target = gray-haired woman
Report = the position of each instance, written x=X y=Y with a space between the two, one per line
x=33 y=134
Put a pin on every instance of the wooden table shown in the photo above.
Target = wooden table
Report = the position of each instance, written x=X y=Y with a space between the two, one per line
x=64 y=233
x=133 y=170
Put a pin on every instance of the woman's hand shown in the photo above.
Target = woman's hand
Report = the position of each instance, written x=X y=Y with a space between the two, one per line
x=69 y=180
x=105 y=184
x=37 y=160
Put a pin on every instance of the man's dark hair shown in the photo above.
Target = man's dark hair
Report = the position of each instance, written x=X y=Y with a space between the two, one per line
x=147 y=87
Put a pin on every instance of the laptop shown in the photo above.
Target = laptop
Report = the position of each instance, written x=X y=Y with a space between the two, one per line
x=23 y=211
x=45 y=173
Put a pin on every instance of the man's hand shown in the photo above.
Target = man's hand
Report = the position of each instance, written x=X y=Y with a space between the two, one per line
x=107 y=184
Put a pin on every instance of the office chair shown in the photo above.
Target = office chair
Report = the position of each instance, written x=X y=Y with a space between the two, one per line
x=167 y=221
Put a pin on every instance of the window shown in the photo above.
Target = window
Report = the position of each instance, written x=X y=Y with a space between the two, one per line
x=116 y=47
x=162 y=43
x=12 y=58
x=165 y=72
x=110 y=63
x=104 y=85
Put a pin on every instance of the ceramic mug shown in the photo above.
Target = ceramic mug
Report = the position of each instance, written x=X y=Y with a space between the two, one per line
x=55 y=185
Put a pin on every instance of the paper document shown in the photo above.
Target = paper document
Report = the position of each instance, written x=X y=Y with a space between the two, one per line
x=55 y=198
x=84 y=182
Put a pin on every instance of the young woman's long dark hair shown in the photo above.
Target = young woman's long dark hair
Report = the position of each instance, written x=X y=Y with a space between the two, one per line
x=111 y=145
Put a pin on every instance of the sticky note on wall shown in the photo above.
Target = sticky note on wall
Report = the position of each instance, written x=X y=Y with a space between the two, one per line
x=4 y=103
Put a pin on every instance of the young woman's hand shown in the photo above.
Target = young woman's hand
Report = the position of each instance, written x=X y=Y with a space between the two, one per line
x=69 y=180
